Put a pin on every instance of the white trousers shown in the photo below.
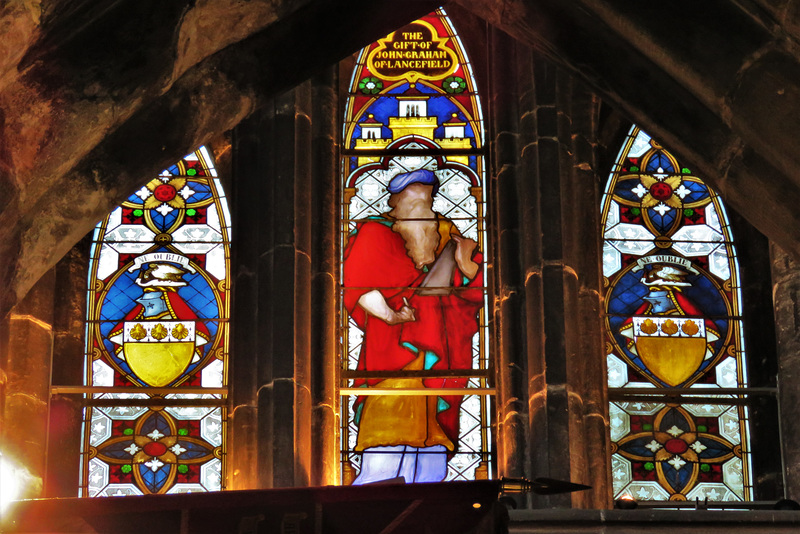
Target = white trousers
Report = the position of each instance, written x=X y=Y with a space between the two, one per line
x=415 y=464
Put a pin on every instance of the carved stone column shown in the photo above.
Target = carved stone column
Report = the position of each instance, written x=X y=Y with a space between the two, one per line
x=786 y=301
x=271 y=347
x=283 y=353
x=28 y=354
x=550 y=349
x=504 y=224
x=64 y=438
x=324 y=213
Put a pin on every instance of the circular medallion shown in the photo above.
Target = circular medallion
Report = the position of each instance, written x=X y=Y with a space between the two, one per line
x=660 y=191
x=154 y=448
x=666 y=319
x=663 y=241
x=676 y=446
x=165 y=192
x=163 y=239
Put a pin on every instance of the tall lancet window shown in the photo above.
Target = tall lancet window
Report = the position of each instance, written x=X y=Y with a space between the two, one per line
x=676 y=358
x=415 y=384
x=157 y=338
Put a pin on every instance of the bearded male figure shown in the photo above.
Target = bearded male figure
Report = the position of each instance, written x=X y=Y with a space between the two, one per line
x=414 y=285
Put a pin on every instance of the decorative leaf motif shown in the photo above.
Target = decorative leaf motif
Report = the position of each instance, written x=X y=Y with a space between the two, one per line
x=669 y=327
x=138 y=332
x=690 y=328
x=159 y=332
x=649 y=327
x=180 y=331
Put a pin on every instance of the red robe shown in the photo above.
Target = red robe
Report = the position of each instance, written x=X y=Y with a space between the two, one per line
x=375 y=258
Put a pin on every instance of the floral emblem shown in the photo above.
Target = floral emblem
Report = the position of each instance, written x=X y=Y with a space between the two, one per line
x=661 y=191
x=370 y=85
x=454 y=84
x=165 y=193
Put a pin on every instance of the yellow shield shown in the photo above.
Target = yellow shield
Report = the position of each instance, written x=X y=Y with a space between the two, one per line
x=671 y=348
x=158 y=352
x=672 y=360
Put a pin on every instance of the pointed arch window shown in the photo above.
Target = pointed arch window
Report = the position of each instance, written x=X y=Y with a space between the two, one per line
x=676 y=354
x=157 y=338
x=415 y=385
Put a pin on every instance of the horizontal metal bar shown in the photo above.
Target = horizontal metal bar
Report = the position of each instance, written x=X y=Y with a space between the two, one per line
x=349 y=452
x=677 y=399
x=70 y=390
x=158 y=401
x=416 y=392
x=411 y=288
x=712 y=317
x=394 y=95
x=433 y=373
x=379 y=152
x=695 y=391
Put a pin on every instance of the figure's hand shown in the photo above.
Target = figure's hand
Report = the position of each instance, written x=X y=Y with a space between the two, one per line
x=403 y=315
x=375 y=304
x=465 y=248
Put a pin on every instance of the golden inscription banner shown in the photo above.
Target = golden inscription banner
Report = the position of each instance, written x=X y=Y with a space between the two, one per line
x=412 y=53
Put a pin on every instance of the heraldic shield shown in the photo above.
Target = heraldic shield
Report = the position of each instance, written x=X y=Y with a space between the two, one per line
x=668 y=336
x=158 y=351
x=671 y=348
x=160 y=336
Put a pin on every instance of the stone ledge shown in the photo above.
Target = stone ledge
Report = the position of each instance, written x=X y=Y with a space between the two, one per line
x=653 y=521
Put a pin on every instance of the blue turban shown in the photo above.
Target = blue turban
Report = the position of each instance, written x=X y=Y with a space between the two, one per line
x=420 y=176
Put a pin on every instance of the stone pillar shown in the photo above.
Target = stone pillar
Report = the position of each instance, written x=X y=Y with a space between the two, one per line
x=283 y=352
x=69 y=348
x=248 y=210
x=325 y=180
x=581 y=190
x=508 y=344
x=550 y=349
x=786 y=301
x=271 y=320
x=28 y=354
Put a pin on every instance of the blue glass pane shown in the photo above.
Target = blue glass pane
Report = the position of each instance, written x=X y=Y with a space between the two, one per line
x=639 y=447
x=163 y=223
x=155 y=422
x=135 y=199
x=193 y=450
x=662 y=223
x=660 y=160
x=117 y=450
x=699 y=191
x=201 y=192
x=624 y=190
x=154 y=480
x=677 y=478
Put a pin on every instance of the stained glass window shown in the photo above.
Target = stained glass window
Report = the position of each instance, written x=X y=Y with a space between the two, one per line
x=157 y=338
x=675 y=351
x=415 y=368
